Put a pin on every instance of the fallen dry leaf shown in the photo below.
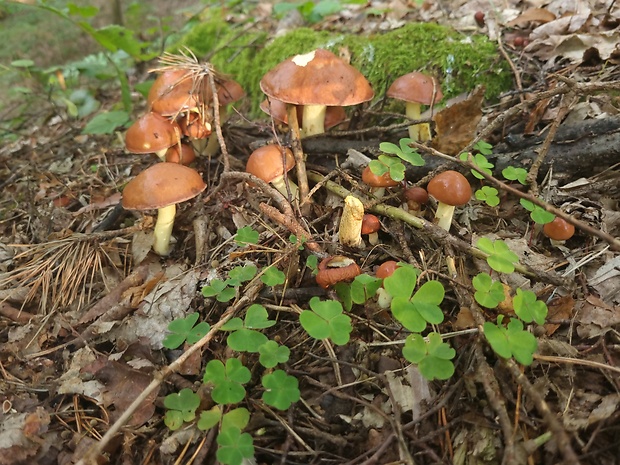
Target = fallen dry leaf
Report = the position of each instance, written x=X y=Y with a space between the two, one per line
x=560 y=308
x=456 y=125
x=531 y=15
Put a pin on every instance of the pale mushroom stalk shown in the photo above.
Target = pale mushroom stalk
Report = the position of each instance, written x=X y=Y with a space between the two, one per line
x=416 y=131
x=280 y=185
x=350 y=230
x=444 y=215
x=163 y=229
x=313 y=120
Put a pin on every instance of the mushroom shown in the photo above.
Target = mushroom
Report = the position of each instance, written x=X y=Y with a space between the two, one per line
x=181 y=153
x=376 y=182
x=160 y=188
x=370 y=227
x=415 y=197
x=336 y=269
x=558 y=231
x=316 y=80
x=385 y=270
x=152 y=133
x=174 y=92
x=277 y=110
x=451 y=189
x=416 y=89
x=350 y=229
x=268 y=163
x=193 y=126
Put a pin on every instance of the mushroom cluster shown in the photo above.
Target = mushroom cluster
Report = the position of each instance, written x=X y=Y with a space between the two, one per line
x=180 y=112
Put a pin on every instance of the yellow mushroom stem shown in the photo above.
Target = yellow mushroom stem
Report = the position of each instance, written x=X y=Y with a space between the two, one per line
x=443 y=215
x=417 y=132
x=314 y=120
x=350 y=229
x=163 y=229
x=280 y=184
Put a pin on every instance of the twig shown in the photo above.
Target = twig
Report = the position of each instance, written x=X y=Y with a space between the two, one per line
x=300 y=161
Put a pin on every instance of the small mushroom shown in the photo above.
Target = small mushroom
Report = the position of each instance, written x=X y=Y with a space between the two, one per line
x=370 y=227
x=377 y=183
x=415 y=198
x=336 y=269
x=451 y=189
x=152 y=133
x=268 y=163
x=350 y=229
x=558 y=231
x=181 y=153
x=160 y=188
x=416 y=89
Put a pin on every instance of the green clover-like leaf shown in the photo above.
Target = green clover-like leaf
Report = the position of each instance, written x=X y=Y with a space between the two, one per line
x=489 y=195
x=433 y=357
x=326 y=320
x=402 y=282
x=272 y=353
x=500 y=258
x=272 y=276
x=247 y=235
x=241 y=274
x=234 y=446
x=529 y=308
x=236 y=418
x=363 y=288
x=209 y=418
x=181 y=407
x=227 y=380
x=538 y=214
x=281 y=390
x=489 y=293
x=183 y=329
x=511 y=341
x=515 y=174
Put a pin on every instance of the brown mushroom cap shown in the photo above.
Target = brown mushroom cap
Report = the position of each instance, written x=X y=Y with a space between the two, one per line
x=316 y=78
x=165 y=82
x=193 y=126
x=161 y=185
x=228 y=91
x=151 y=133
x=373 y=180
x=336 y=269
x=386 y=269
x=559 y=229
x=177 y=93
x=417 y=194
x=266 y=162
x=450 y=187
x=277 y=110
x=370 y=224
x=184 y=154
x=416 y=88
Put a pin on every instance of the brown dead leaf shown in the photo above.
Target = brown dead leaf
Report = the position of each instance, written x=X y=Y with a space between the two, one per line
x=596 y=317
x=559 y=309
x=464 y=319
x=20 y=436
x=531 y=15
x=456 y=125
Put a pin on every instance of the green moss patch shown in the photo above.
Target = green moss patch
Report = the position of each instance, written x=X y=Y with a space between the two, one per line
x=460 y=62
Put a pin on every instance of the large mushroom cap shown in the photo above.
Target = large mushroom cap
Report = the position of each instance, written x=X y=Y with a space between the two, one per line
x=151 y=133
x=450 y=187
x=417 y=88
x=266 y=162
x=316 y=78
x=161 y=185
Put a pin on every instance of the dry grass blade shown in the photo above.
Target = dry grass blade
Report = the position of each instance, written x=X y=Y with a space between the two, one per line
x=63 y=272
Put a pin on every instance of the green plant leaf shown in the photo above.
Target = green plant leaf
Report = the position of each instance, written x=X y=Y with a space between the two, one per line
x=363 y=288
x=173 y=419
x=272 y=353
x=106 y=122
x=501 y=258
x=489 y=195
x=183 y=329
x=227 y=380
x=281 y=390
x=480 y=161
x=402 y=282
x=483 y=147
x=343 y=291
x=241 y=274
x=538 y=214
x=378 y=168
x=515 y=174
x=236 y=418
x=256 y=317
x=246 y=235
x=209 y=418
x=407 y=314
x=272 y=276
x=234 y=446
x=326 y=320
x=489 y=293
x=511 y=340
x=185 y=402
x=433 y=357
x=214 y=288
x=529 y=308
x=246 y=340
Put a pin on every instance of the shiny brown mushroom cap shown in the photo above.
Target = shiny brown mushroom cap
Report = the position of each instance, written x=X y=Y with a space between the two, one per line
x=336 y=269
x=228 y=91
x=277 y=110
x=161 y=185
x=370 y=224
x=151 y=133
x=450 y=187
x=373 y=180
x=165 y=82
x=386 y=269
x=417 y=88
x=316 y=78
x=181 y=153
x=559 y=229
x=266 y=162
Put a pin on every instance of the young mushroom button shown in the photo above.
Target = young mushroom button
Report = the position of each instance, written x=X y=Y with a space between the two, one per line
x=559 y=230
x=267 y=163
x=160 y=188
x=450 y=189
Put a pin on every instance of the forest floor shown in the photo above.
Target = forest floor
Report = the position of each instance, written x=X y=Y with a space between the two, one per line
x=85 y=304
